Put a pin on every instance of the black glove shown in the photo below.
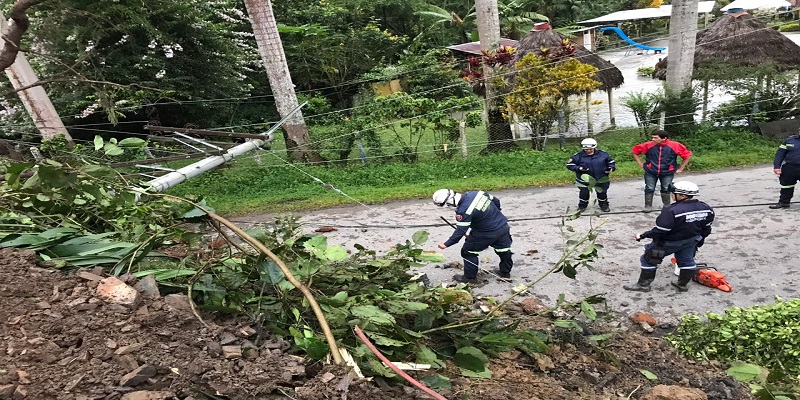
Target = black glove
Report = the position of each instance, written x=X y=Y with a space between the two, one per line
x=701 y=242
x=643 y=236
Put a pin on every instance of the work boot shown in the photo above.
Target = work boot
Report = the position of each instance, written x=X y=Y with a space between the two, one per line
x=474 y=282
x=604 y=206
x=684 y=277
x=504 y=275
x=648 y=202
x=646 y=277
x=779 y=205
x=665 y=199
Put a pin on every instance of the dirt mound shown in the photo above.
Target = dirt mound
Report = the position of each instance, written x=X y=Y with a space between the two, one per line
x=59 y=340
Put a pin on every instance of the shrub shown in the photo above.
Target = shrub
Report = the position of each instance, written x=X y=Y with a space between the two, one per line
x=765 y=335
x=793 y=27
x=645 y=71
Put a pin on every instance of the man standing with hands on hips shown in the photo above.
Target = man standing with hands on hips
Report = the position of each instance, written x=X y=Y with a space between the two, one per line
x=787 y=167
x=660 y=164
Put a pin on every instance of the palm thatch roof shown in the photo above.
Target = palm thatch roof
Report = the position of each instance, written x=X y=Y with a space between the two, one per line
x=741 y=40
x=544 y=37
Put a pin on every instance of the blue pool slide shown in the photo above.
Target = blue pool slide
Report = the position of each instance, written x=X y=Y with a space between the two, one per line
x=630 y=41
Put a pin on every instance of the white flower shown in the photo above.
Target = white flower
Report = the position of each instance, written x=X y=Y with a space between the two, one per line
x=152 y=44
x=160 y=74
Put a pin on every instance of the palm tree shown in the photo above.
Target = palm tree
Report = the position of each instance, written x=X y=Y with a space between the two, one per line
x=515 y=15
x=464 y=25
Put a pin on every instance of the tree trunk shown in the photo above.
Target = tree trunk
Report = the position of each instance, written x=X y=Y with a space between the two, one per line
x=270 y=47
x=498 y=129
x=682 y=38
x=21 y=75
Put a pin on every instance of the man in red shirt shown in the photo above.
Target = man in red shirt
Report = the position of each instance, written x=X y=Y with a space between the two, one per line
x=660 y=164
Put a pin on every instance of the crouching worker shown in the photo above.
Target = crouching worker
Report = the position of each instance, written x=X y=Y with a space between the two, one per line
x=680 y=229
x=480 y=213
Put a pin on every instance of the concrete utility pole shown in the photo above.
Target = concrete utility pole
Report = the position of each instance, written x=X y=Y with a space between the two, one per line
x=499 y=130
x=682 y=38
x=35 y=99
x=270 y=47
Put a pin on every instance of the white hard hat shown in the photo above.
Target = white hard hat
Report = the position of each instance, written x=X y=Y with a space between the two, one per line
x=446 y=196
x=588 y=143
x=686 y=188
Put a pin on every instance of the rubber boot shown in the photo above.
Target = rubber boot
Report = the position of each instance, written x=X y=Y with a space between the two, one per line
x=665 y=199
x=604 y=206
x=648 y=202
x=685 y=276
x=646 y=277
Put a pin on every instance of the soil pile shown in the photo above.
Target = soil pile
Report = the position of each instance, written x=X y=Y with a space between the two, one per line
x=59 y=339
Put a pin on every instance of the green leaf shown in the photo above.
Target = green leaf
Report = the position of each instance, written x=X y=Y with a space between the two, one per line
x=270 y=270
x=132 y=142
x=588 y=311
x=382 y=340
x=373 y=314
x=426 y=356
x=430 y=257
x=745 y=372
x=98 y=143
x=570 y=271
x=111 y=149
x=420 y=237
x=437 y=382
x=485 y=374
x=470 y=358
x=336 y=253
x=314 y=348
x=499 y=338
x=404 y=307
x=649 y=375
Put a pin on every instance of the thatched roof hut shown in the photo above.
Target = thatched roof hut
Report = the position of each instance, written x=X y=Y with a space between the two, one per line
x=741 y=40
x=543 y=36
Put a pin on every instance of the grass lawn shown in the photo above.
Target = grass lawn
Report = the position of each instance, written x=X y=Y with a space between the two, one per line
x=245 y=186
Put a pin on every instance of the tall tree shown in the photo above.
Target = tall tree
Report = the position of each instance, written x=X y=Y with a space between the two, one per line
x=270 y=47
x=498 y=129
x=682 y=37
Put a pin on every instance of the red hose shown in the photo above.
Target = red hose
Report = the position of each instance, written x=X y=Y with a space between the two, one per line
x=394 y=368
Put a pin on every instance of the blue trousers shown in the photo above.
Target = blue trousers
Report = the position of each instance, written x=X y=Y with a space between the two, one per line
x=684 y=251
x=651 y=179
x=476 y=242
x=602 y=194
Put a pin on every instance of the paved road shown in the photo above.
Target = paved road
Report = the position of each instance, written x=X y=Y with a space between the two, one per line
x=756 y=248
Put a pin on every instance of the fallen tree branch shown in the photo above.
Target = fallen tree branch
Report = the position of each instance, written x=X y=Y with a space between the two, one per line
x=312 y=302
x=12 y=35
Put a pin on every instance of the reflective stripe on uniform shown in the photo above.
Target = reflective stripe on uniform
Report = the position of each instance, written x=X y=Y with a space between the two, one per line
x=663 y=229
x=787 y=186
x=503 y=250
x=474 y=252
x=475 y=202
x=463 y=223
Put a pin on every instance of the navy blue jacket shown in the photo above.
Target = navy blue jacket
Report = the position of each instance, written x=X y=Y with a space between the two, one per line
x=478 y=211
x=596 y=165
x=788 y=152
x=682 y=220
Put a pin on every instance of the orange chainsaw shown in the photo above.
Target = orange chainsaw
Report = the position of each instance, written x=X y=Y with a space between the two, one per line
x=709 y=276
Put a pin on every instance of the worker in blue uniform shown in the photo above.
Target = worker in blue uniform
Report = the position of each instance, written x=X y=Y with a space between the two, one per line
x=680 y=229
x=479 y=213
x=597 y=164
x=787 y=167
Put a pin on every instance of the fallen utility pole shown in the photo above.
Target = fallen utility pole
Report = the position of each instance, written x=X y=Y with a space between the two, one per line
x=190 y=171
